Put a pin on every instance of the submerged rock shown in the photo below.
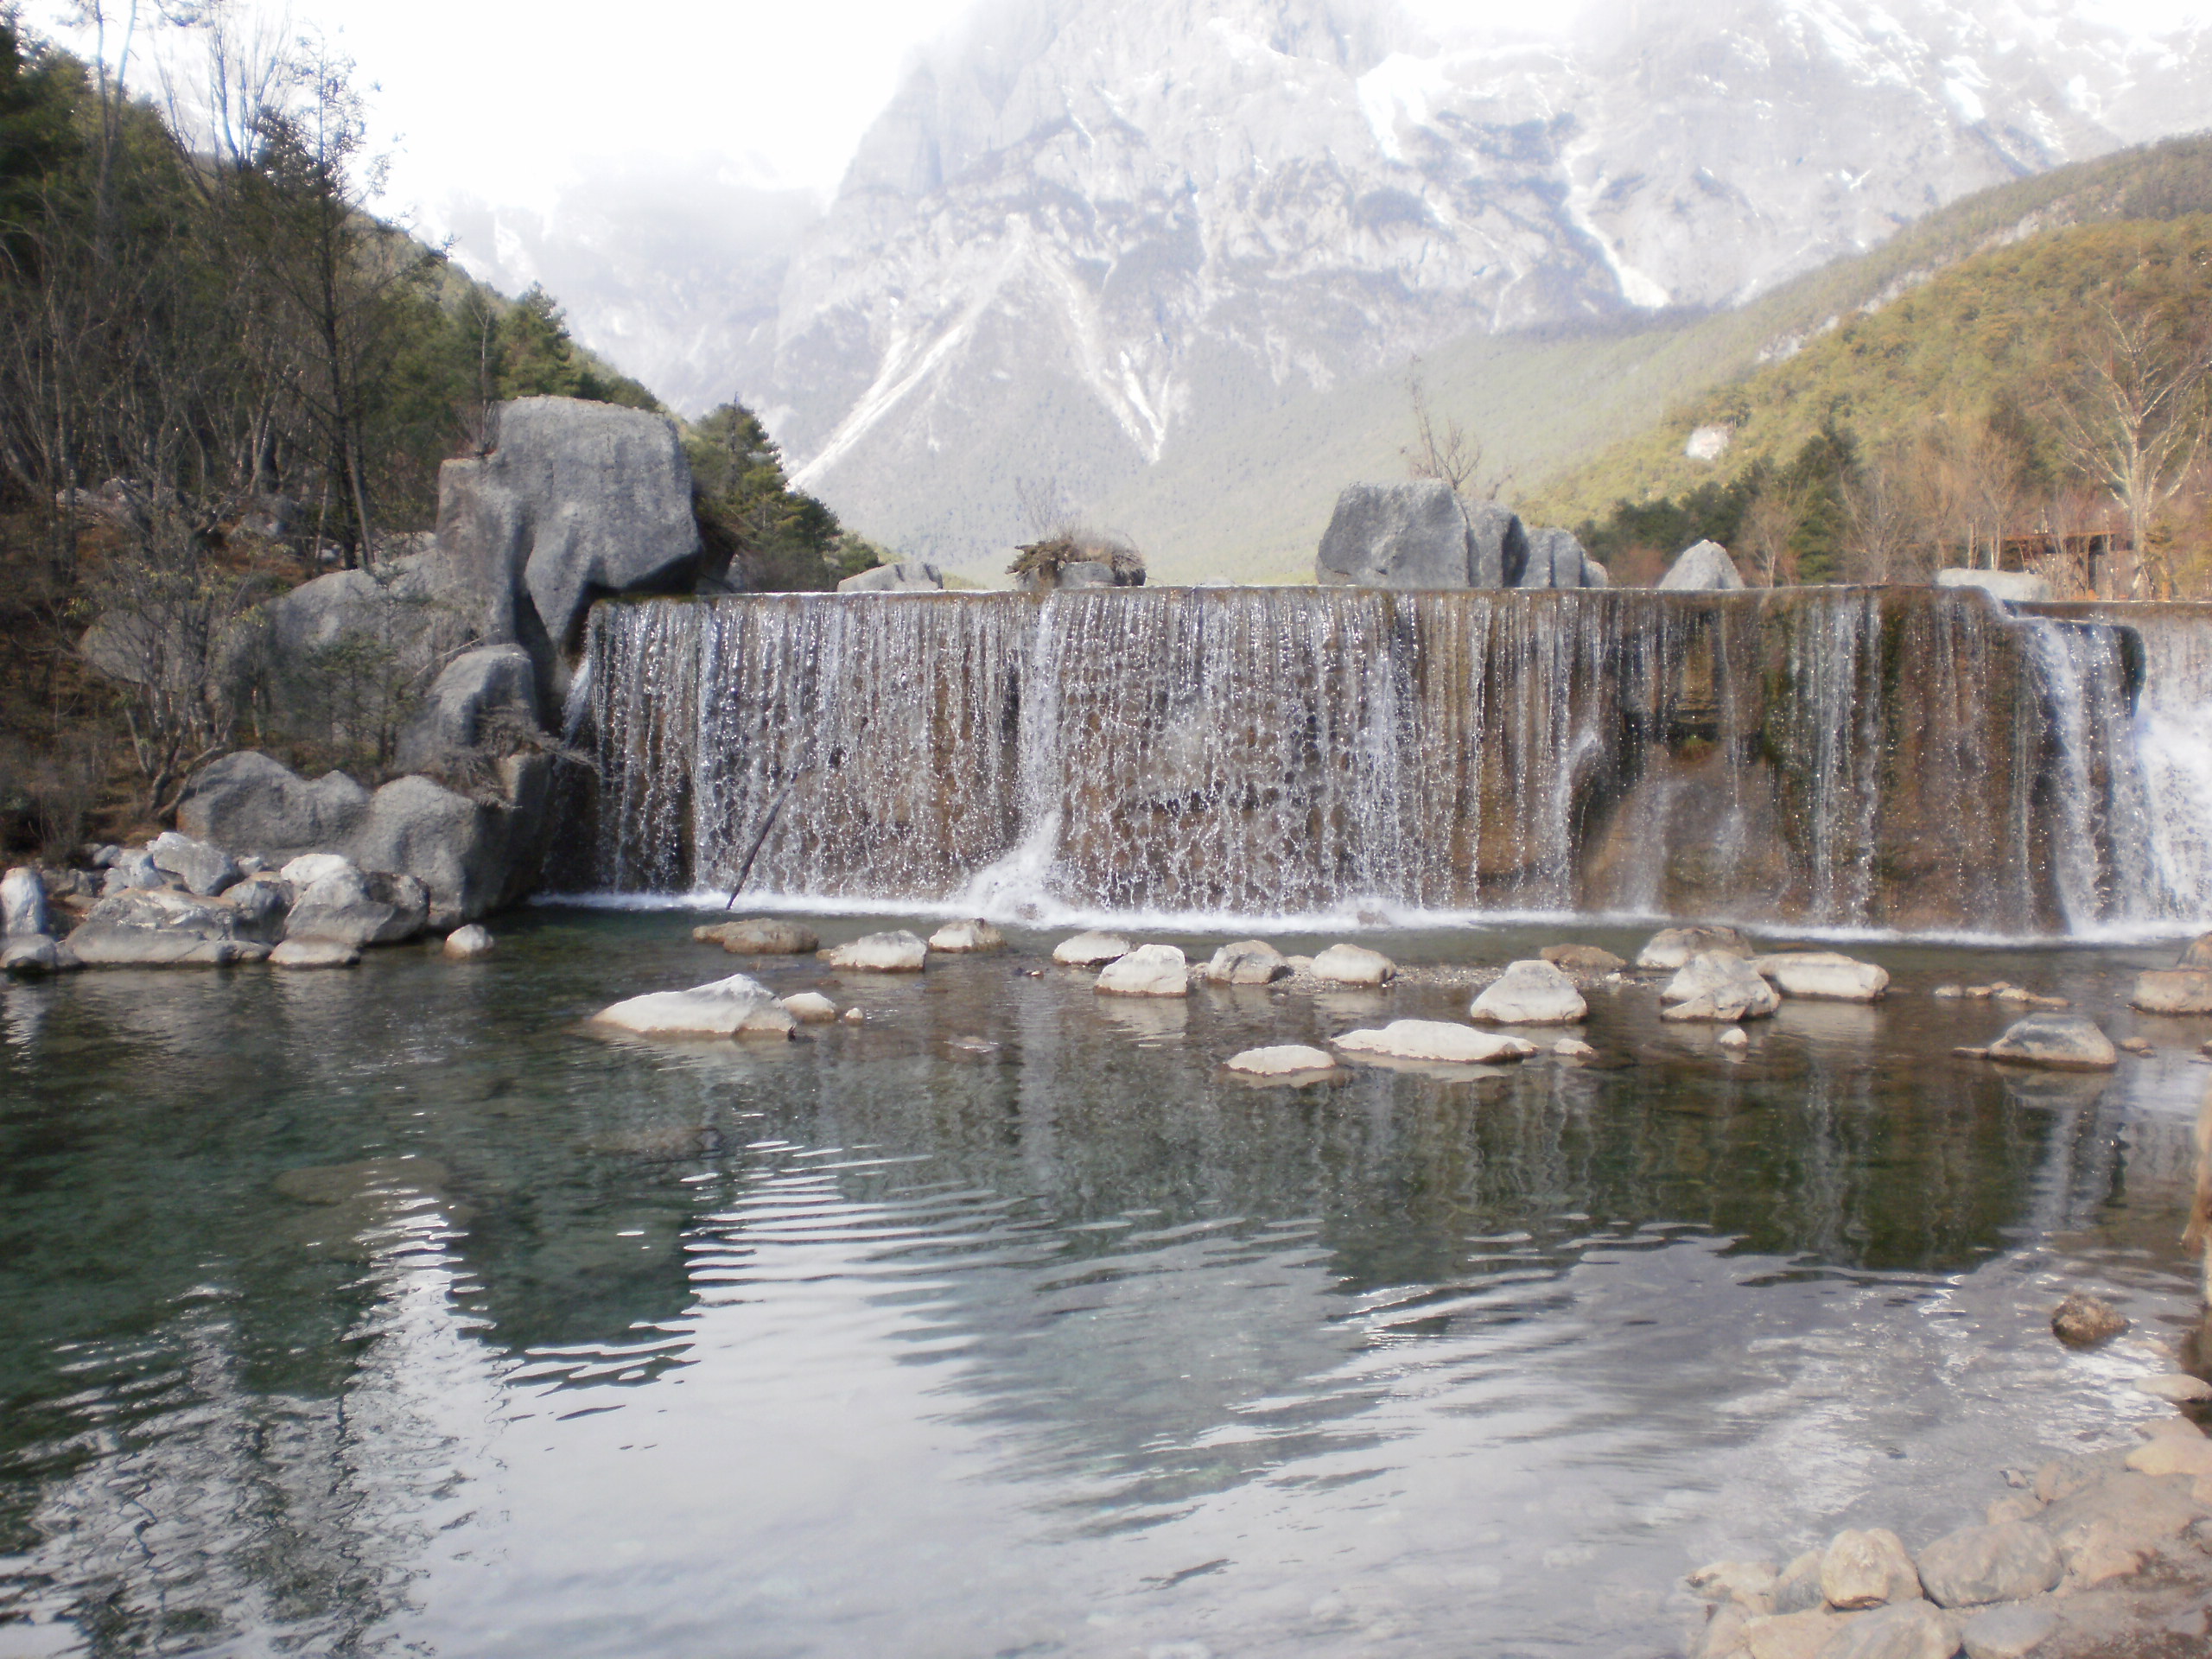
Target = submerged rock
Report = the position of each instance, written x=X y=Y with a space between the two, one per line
x=2083 y=1320
x=1148 y=970
x=1283 y=1060
x=1530 y=993
x=2173 y=990
x=1249 y=962
x=1092 y=949
x=955 y=938
x=1582 y=959
x=1673 y=947
x=470 y=944
x=722 y=1008
x=1354 y=964
x=759 y=936
x=1719 y=987
x=1434 y=1039
x=2065 y=1042
x=896 y=951
x=1823 y=974
x=315 y=953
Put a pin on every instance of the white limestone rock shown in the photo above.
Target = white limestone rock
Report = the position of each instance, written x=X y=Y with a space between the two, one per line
x=2173 y=990
x=2060 y=1042
x=1823 y=974
x=717 y=1009
x=1354 y=964
x=1148 y=970
x=23 y=904
x=896 y=951
x=1434 y=1039
x=1530 y=993
x=1090 y=949
x=1718 y=988
x=470 y=944
x=315 y=953
x=1282 y=1060
x=1672 y=947
x=810 y=1008
x=956 y=938
x=197 y=867
x=1702 y=567
x=1248 y=961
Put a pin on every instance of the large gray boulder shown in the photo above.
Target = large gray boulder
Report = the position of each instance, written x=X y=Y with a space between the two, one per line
x=1702 y=567
x=358 y=908
x=907 y=576
x=197 y=866
x=251 y=803
x=569 y=500
x=407 y=616
x=1979 y=1565
x=2062 y=1042
x=1417 y=535
x=473 y=856
x=490 y=680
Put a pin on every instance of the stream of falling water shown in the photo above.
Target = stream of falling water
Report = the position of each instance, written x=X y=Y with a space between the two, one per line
x=1833 y=758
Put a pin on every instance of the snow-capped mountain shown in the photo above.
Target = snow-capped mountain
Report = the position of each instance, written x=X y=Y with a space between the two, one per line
x=1085 y=229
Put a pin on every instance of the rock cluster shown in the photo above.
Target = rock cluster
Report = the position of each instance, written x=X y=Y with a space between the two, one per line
x=2185 y=987
x=1419 y=534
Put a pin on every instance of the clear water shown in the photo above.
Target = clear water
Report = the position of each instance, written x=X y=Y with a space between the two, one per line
x=387 y=1311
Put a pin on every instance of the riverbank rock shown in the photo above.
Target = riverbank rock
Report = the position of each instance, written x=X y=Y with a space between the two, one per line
x=162 y=927
x=2064 y=1042
x=1532 y=992
x=2172 y=1454
x=2113 y=1527
x=2006 y=1632
x=1354 y=964
x=1673 y=947
x=1823 y=974
x=1718 y=988
x=1702 y=566
x=1866 y=1569
x=197 y=867
x=1975 y=1566
x=1582 y=959
x=1283 y=1060
x=23 y=904
x=2173 y=990
x=896 y=951
x=470 y=944
x=2083 y=1320
x=1090 y=949
x=1148 y=970
x=315 y=953
x=2177 y=1388
x=759 y=936
x=1249 y=962
x=958 y=938
x=32 y=954
x=722 y=1008
x=1908 y=1630
x=1434 y=1039
x=360 y=908
x=810 y=1008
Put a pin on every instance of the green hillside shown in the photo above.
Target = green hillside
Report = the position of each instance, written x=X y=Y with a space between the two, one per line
x=1580 y=419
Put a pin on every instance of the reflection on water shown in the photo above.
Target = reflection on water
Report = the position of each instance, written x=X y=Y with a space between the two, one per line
x=389 y=1312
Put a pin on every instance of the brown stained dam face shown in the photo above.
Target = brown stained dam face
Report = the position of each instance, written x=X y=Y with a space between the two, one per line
x=1895 y=757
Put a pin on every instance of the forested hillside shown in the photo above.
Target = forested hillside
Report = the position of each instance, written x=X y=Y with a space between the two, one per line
x=219 y=376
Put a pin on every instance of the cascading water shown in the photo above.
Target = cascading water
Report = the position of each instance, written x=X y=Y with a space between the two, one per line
x=1841 y=757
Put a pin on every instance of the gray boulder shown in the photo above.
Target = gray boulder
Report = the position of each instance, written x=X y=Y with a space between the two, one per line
x=1866 y=1569
x=1671 y=947
x=132 y=869
x=473 y=856
x=403 y=619
x=2173 y=990
x=1418 y=535
x=1718 y=987
x=23 y=903
x=1702 y=566
x=161 y=927
x=32 y=954
x=1248 y=961
x=906 y=576
x=1556 y=559
x=1977 y=1564
x=1531 y=993
x=489 y=680
x=316 y=952
x=569 y=500
x=198 y=866
x=251 y=803
x=2064 y=1042
x=262 y=902
x=359 y=908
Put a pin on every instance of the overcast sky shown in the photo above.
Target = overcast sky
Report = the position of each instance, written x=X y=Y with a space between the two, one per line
x=503 y=99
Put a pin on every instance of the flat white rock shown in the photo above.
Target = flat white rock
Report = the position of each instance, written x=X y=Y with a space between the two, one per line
x=810 y=1007
x=1530 y=993
x=1353 y=965
x=315 y=953
x=469 y=943
x=1283 y=1060
x=895 y=952
x=1717 y=985
x=2178 y=1387
x=1434 y=1039
x=1824 y=973
x=957 y=937
x=1148 y=970
x=1090 y=949
x=718 y=1009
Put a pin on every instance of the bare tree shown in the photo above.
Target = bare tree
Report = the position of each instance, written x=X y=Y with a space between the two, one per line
x=2133 y=418
x=1774 y=517
x=1881 y=514
x=1449 y=453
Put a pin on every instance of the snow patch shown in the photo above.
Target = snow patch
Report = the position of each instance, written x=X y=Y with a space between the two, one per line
x=1400 y=86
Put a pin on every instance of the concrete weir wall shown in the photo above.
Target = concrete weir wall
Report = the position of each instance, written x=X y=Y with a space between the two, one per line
x=1899 y=758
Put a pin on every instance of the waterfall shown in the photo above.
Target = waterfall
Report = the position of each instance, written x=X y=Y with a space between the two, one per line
x=1854 y=758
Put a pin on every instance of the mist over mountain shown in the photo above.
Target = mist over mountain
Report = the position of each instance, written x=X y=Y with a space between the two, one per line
x=1085 y=233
